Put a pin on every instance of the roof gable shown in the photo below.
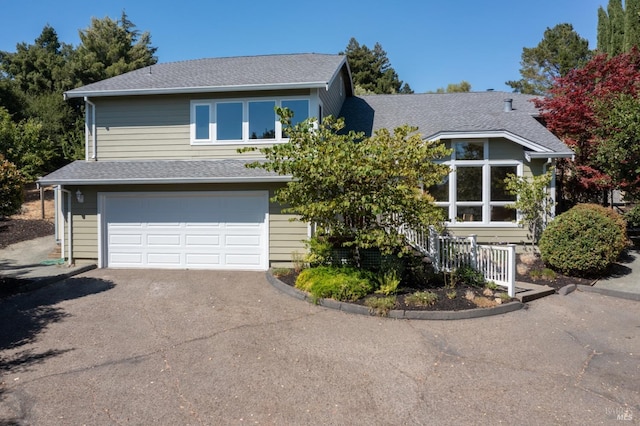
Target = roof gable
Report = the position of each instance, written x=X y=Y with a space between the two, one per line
x=270 y=72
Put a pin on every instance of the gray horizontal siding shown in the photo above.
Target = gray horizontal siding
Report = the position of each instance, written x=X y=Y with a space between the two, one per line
x=157 y=127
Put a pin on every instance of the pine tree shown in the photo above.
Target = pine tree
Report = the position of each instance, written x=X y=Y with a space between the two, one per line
x=371 y=70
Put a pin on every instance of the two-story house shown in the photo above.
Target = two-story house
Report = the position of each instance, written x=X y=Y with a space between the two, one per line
x=163 y=186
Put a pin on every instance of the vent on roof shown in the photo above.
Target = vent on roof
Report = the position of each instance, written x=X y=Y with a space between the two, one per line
x=508 y=105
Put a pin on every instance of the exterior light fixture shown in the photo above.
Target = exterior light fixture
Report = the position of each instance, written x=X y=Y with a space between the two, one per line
x=79 y=196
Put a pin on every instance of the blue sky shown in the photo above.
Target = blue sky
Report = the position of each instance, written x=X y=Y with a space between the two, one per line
x=430 y=43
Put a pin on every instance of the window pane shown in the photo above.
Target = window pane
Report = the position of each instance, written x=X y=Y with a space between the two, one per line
x=202 y=121
x=441 y=191
x=469 y=184
x=498 y=190
x=229 y=121
x=469 y=150
x=469 y=213
x=502 y=214
x=262 y=120
x=300 y=109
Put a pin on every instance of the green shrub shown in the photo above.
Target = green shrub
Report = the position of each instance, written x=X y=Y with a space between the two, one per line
x=583 y=241
x=11 y=195
x=380 y=305
x=611 y=214
x=344 y=284
x=319 y=251
x=466 y=275
x=633 y=217
x=388 y=282
x=421 y=298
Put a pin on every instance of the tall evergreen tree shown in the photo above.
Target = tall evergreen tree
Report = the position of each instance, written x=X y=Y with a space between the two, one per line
x=631 y=24
x=561 y=50
x=616 y=27
x=603 y=31
x=371 y=70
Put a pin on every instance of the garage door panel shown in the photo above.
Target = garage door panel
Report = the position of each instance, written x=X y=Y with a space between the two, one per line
x=242 y=259
x=126 y=258
x=212 y=230
x=125 y=239
x=163 y=240
x=164 y=259
x=243 y=240
x=202 y=240
x=202 y=260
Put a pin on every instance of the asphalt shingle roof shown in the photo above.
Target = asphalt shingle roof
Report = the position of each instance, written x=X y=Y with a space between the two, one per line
x=308 y=69
x=82 y=172
x=436 y=113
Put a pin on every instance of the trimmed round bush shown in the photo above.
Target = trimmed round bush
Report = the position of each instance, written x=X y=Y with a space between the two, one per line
x=583 y=241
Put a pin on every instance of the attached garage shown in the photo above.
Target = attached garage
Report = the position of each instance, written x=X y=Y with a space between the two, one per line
x=184 y=230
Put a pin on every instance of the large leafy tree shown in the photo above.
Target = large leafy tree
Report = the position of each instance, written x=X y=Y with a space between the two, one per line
x=560 y=50
x=582 y=111
x=111 y=47
x=618 y=142
x=371 y=70
x=618 y=27
x=361 y=189
x=33 y=78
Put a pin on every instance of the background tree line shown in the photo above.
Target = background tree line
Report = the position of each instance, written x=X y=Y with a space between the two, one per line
x=39 y=131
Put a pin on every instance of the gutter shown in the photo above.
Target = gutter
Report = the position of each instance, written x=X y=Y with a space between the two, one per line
x=188 y=90
x=265 y=179
x=548 y=155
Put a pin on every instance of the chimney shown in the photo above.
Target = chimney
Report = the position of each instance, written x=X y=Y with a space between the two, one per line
x=508 y=105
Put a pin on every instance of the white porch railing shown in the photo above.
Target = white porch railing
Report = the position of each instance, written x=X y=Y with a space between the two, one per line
x=496 y=262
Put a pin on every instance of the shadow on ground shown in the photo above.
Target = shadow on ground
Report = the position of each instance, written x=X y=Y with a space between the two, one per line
x=619 y=269
x=24 y=316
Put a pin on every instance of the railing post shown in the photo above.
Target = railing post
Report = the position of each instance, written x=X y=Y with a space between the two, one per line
x=511 y=279
x=434 y=248
x=474 y=250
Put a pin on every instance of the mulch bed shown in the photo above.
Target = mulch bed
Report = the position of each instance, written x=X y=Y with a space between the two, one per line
x=443 y=303
x=557 y=282
x=16 y=230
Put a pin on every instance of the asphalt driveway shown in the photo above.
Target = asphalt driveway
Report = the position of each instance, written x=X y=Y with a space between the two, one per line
x=189 y=347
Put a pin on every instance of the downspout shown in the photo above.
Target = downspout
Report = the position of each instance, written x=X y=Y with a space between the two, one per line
x=69 y=219
x=552 y=192
x=93 y=129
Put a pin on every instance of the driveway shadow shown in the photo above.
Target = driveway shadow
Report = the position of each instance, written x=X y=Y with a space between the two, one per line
x=619 y=269
x=24 y=316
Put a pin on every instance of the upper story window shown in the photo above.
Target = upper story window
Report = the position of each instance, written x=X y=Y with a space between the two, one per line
x=238 y=121
x=474 y=192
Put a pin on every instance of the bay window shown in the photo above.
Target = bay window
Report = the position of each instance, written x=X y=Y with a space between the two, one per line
x=474 y=192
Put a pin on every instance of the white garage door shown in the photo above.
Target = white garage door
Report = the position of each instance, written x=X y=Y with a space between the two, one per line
x=194 y=230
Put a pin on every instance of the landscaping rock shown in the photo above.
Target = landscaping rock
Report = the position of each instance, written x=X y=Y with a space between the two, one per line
x=487 y=292
x=567 y=289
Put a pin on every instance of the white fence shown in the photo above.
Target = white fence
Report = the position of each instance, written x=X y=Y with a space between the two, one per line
x=496 y=262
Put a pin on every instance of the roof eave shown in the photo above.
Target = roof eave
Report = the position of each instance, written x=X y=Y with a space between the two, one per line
x=188 y=90
x=492 y=134
x=548 y=155
x=155 y=181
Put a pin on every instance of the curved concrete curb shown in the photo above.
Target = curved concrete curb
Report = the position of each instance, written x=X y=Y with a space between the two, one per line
x=608 y=292
x=353 y=308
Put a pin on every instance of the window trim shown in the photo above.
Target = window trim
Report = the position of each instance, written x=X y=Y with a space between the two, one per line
x=213 y=103
x=486 y=202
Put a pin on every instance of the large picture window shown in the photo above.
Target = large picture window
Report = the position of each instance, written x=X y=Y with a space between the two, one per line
x=474 y=192
x=237 y=121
